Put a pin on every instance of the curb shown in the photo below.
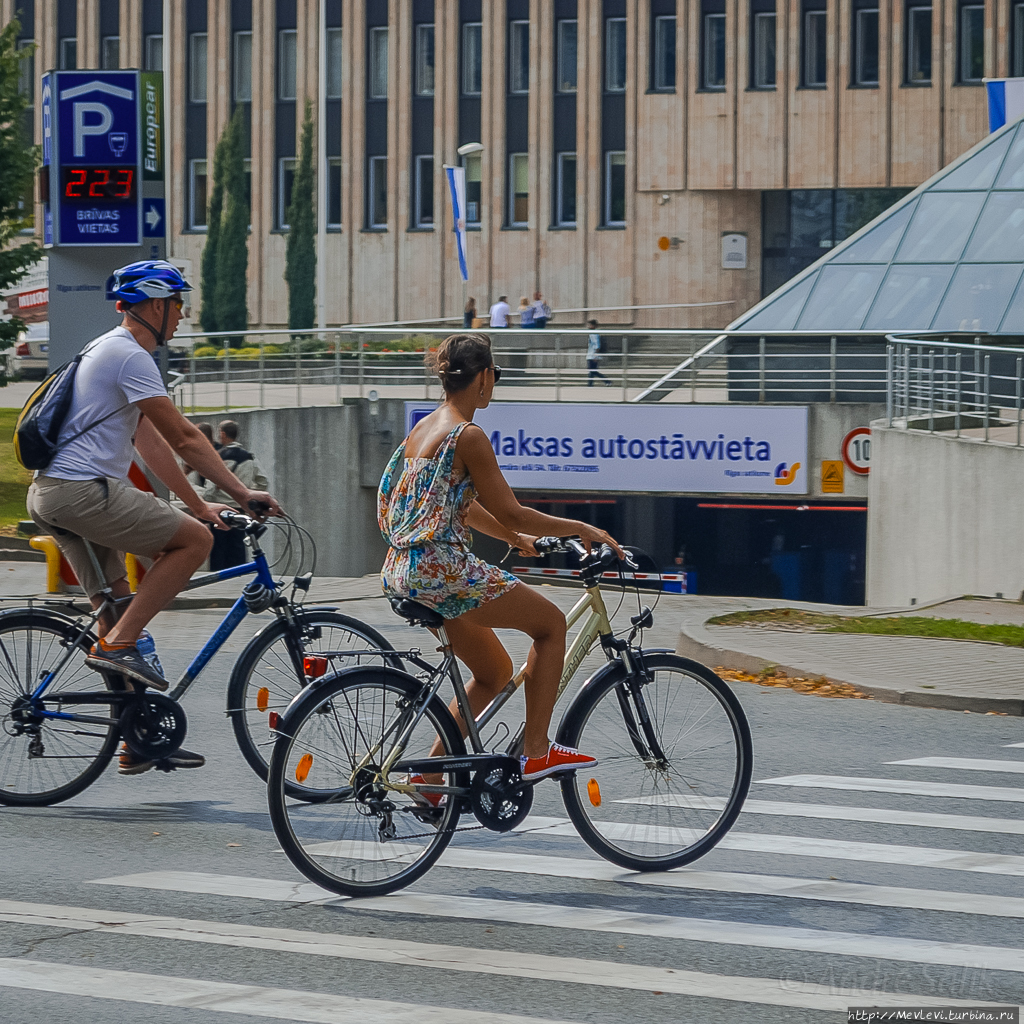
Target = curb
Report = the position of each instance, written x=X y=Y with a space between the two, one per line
x=712 y=655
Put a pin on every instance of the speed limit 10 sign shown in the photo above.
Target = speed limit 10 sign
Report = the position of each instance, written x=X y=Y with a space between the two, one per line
x=856 y=450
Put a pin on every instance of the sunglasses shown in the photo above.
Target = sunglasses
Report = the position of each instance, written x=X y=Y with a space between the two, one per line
x=497 y=372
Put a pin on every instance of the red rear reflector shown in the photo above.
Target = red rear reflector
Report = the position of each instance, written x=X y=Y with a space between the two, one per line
x=302 y=768
x=262 y=698
x=314 y=667
x=273 y=718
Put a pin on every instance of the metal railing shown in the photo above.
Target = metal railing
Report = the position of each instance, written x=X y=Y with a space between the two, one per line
x=968 y=389
x=278 y=367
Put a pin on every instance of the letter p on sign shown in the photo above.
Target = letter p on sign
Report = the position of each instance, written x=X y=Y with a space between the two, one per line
x=81 y=129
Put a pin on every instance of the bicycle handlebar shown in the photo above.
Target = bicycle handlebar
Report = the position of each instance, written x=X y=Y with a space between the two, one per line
x=237 y=520
x=605 y=557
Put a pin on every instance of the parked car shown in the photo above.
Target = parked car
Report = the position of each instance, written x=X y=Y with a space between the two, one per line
x=29 y=358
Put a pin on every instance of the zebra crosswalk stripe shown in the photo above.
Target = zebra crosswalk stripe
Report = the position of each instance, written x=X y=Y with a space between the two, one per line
x=903 y=787
x=965 y=764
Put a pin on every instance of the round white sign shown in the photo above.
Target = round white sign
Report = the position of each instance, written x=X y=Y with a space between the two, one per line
x=856 y=450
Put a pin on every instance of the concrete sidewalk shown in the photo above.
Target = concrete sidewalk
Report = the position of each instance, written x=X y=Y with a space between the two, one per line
x=951 y=674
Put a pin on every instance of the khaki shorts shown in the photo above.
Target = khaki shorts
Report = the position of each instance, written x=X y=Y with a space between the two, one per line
x=111 y=514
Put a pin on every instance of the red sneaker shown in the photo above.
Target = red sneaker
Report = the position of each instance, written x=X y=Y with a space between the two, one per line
x=431 y=799
x=557 y=759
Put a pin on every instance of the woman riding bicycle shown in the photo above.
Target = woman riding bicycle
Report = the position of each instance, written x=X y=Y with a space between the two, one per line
x=443 y=478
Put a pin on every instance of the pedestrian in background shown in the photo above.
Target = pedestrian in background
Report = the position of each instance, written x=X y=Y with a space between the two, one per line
x=499 y=312
x=541 y=311
x=229 y=546
x=469 y=314
x=594 y=355
x=526 y=313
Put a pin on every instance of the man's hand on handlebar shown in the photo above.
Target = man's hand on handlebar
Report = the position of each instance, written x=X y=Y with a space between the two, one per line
x=212 y=513
x=261 y=504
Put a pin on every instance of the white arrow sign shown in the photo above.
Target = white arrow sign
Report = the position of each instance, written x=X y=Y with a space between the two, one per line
x=152 y=218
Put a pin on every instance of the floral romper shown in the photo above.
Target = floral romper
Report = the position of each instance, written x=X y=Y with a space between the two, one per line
x=421 y=511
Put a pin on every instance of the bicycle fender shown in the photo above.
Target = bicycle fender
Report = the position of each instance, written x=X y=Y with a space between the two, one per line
x=609 y=668
x=305 y=608
x=48 y=614
x=330 y=677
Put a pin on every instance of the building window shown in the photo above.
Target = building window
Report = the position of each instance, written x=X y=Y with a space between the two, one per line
x=565 y=198
x=764 y=69
x=424 y=60
x=566 y=72
x=378 y=83
x=518 y=57
x=713 y=52
x=242 y=72
x=815 y=50
x=865 y=46
x=519 y=190
x=472 y=52
x=615 y=189
x=972 y=43
x=334 y=63
x=287 y=40
x=285 y=181
x=26 y=70
x=919 y=45
x=664 y=77
x=473 y=176
x=1017 y=56
x=110 y=53
x=424 y=197
x=154 y=56
x=377 y=193
x=615 y=54
x=198 y=195
x=334 y=191
x=197 y=67
x=68 y=53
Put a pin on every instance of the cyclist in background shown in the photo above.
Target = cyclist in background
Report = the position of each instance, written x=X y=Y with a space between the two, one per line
x=122 y=408
x=442 y=479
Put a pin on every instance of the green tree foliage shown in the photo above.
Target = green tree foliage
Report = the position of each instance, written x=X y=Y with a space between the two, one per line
x=214 y=215
x=225 y=259
x=18 y=162
x=300 y=255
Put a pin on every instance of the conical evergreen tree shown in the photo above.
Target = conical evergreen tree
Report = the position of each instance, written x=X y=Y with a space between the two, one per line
x=215 y=212
x=18 y=160
x=232 y=247
x=300 y=254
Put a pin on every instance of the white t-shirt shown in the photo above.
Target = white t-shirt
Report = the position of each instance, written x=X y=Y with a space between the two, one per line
x=499 y=314
x=115 y=372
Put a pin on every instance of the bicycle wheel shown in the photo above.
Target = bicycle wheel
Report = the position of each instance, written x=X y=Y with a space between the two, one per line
x=363 y=840
x=663 y=794
x=268 y=675
x=44 y=760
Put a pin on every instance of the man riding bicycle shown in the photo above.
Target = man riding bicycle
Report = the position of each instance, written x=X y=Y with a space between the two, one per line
x=120 y=407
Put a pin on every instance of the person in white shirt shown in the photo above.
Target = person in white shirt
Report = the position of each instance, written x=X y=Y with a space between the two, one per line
x=499 y=312
x=594 y=355
x=541 y=311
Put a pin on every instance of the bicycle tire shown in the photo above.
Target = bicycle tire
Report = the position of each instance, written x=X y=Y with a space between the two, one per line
x=262 y=665
x=658 y=815
x=334 y=841
x=30 y=638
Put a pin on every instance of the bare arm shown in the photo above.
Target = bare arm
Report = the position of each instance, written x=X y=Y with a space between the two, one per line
x=190 y=445
x=159 y=458
x=483 y=522
x=496 y=497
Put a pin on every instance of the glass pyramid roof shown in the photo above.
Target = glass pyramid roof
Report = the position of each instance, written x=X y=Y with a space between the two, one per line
x=947 y=257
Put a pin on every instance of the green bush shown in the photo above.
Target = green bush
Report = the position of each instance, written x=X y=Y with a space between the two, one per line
x=206 y=352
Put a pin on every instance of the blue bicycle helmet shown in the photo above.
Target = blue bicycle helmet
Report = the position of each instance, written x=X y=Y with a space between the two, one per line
x=147 y=279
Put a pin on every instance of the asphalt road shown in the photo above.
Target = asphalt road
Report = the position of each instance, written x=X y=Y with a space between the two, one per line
x=890 y=892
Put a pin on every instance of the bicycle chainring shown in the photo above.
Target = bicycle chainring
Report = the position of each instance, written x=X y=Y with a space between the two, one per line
x=153 y=726
x=500 y=799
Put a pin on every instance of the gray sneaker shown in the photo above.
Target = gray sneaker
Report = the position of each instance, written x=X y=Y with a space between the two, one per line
x=128 y=662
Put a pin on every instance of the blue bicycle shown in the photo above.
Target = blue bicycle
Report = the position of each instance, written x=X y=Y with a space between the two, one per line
x=59 y=730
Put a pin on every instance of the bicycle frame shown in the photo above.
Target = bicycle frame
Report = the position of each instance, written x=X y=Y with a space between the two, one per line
x=228 y=625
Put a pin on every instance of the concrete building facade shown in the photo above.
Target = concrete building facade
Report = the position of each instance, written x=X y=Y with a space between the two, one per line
x=635 y=152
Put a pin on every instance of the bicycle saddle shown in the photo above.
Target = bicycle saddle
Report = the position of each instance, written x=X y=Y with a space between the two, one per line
x=417 y=614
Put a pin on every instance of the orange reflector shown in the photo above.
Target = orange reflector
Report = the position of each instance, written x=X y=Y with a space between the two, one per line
x=314 y=667
x=594 y=792
x=273 y=718
x=302 y=768
x=262 y=698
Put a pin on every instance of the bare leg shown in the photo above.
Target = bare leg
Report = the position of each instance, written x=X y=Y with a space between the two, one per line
x=119 y=588
x=171 y=571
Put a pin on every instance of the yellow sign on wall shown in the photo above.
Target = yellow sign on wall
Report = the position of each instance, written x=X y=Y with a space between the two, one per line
x=832 y=476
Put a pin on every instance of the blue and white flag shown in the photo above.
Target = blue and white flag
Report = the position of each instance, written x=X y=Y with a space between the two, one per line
x=1005 y=101
x=457 y=189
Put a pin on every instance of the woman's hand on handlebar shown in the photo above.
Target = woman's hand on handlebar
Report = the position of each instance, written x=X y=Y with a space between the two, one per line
x=591 y=535
x=525 y=546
